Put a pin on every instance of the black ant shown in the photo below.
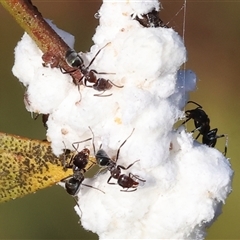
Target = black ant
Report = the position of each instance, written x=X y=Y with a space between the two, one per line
x=74 y=60
x=202 y=124
x=150 y=19
x=78 y=163
x=125 y=181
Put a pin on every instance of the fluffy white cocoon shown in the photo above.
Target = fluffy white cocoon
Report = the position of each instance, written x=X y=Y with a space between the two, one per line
x=186 y=182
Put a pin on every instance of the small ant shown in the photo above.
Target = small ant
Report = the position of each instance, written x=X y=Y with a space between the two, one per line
x=78 y=163
x=150 y=19
x=125 y=181
x=202 y=124
x=74 y=60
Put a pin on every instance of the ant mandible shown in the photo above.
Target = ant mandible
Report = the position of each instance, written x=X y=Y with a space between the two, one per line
x=74 y=60
x=125 y=181
x=78 y=163
x=202 y=124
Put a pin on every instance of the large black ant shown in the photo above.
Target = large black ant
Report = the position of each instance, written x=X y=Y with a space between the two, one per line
x=104 y=161
x=78 y=163
x=74 y=60
x=202 y=124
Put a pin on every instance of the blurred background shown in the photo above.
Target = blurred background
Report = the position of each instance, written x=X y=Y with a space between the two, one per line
x=212 y=39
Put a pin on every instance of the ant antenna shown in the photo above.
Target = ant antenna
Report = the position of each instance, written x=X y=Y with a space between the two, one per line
x=66 y=152
x=96 y=56
x=94 y=150
x=86 y=185
x=79 y=143
x=123 y=144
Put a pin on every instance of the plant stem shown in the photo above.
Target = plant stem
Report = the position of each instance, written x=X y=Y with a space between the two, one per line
x=32 y=21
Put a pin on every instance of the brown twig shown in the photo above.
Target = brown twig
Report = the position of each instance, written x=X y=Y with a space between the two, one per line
x=32 y=21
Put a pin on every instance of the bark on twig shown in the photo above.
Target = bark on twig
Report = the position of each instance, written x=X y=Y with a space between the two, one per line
x=50 y=43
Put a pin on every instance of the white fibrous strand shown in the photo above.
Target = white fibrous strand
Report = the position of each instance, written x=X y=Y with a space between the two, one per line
x=185 y=182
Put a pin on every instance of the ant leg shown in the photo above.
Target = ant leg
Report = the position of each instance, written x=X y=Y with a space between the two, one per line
x=108 y=181
x=137 y=177
x=66 y=165
x=101 y=94
x=123 y=144
x=79 y=81
x=65 y=72
x=185 y=121
x=36 y=116
x=65 y=179
x=197 y=135
x=79 y=93
x=197 y=129
x=226 y=142
x=125 y=168
x=127 y=190
x=115 y=84
x=86 y=185
x=95 y=71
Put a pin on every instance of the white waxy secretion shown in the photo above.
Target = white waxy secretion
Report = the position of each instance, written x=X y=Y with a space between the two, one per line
x=185 y=183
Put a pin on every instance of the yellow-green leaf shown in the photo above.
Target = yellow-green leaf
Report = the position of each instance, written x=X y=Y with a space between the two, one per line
x=29 y=165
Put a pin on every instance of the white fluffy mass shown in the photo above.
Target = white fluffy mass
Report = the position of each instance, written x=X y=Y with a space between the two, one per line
x=186 y=182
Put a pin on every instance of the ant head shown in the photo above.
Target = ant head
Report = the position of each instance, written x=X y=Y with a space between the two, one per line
x=81 y=159
x=73 y=59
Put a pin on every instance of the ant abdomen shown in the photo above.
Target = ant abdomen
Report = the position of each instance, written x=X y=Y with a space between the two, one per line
x=72 y=185
x=102 y=158
x=73 y=59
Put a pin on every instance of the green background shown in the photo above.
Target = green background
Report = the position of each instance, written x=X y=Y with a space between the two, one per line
x=212 y=38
